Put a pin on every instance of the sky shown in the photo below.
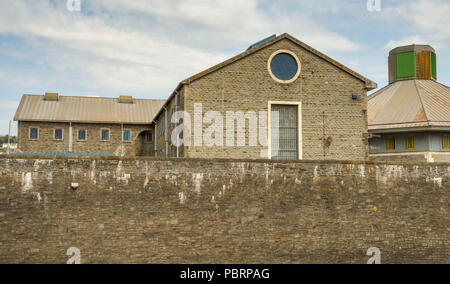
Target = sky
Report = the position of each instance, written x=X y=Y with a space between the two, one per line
x=144 y=48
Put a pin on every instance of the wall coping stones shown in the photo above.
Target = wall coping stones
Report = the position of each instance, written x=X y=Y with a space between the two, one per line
x=220 y=160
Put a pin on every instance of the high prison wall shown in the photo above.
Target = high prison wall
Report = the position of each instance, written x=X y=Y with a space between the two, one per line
x=221 y=211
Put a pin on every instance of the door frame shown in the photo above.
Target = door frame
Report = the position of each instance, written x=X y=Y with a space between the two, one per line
x=269 y=126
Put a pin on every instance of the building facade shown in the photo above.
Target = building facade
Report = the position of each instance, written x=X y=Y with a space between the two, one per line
x=86 y=125
x=320 y=106
x=409 y=120
x=280 y=99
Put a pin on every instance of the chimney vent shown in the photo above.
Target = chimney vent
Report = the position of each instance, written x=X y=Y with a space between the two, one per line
x=51 y=97
x=126 y=99
x=412 y=62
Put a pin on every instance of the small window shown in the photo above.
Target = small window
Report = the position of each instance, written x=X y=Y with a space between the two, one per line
x=82 y=135
x=149 y=137
x=284 y=66
x=105 y=135
x=34 y=133
x=58 y=134
x=127 y=135
x=446 y=142
x=390 y=143
x=410 y=143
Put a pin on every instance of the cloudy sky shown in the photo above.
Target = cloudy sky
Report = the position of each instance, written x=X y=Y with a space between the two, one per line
x=145 y=47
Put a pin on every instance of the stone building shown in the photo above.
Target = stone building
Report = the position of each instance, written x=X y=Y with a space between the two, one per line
x=280 y=99
x=86 y=125
x=296 y=101
x=409 y=120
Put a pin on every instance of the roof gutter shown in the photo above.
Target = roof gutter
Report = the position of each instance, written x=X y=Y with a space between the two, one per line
x=410 y=129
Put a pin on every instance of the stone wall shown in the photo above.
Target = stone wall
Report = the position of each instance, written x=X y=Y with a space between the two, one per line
x=430 y=157
x=93 y=143
x=221 y=211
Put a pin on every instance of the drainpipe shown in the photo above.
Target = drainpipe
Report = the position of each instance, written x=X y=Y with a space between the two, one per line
x=155 y=138
x=9 y=138
x=176 y=125
x=121 y=126
x=323 y=135
x=70 y=137
x=166 y=131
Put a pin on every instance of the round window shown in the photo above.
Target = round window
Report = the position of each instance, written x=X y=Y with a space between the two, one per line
x=284 y=66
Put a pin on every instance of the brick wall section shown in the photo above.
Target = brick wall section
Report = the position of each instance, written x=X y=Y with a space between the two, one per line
x=420 y=157
x=221 y=211
x=322 y=88
x=93 y=144
x=441 y=157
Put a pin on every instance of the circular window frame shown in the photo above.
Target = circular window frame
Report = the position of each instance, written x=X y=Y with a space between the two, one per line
x=299 y=66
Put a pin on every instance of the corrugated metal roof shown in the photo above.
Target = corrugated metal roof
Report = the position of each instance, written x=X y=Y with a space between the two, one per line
x=87 y=109
x=410 y=103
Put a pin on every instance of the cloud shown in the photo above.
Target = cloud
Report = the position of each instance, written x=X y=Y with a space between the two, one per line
x=109 y=56
x=145 y=47
x=7 y=110
x=428 y=17
x=231 y=23
x=8 y=105
x=405 y=41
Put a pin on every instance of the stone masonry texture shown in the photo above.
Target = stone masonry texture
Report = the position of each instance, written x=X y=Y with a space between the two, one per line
x=93 y=143
x=324 y=90
x=154 y=210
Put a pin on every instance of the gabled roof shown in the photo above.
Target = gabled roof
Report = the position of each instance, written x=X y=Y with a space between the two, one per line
x=370 y=85
x=87 y=109
x=410 y=104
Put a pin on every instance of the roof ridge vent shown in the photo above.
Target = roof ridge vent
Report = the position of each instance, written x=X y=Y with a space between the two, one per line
x=51 y=97
x=126 y=99
x=262 y=41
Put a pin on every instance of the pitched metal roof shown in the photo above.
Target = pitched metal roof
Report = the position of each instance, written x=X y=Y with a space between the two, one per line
x=410 y=104
x=87 y=109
